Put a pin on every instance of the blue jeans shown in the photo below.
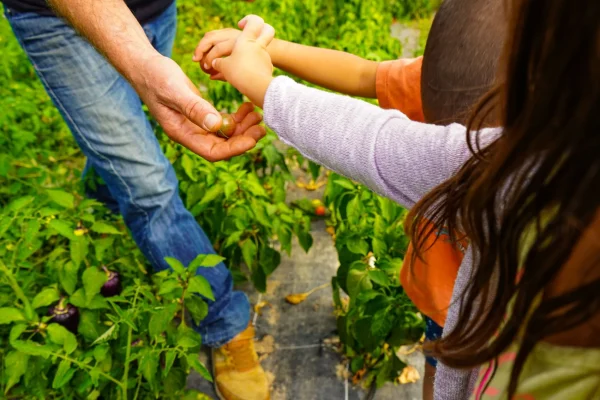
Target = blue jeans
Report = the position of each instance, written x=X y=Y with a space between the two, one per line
x=433 y=332
x=105 y=115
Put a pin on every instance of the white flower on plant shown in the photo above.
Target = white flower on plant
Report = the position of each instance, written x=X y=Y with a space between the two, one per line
x=372 y=261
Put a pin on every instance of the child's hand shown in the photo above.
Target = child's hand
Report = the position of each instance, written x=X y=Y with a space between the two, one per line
x=249 y=67
x=215 y=44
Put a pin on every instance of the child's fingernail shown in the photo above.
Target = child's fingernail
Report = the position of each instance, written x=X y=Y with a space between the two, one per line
x=214 y=63
x=205 y=66
x=194 y=58
x=211 y=121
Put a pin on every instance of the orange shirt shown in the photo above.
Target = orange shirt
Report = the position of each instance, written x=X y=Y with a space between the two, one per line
x=428 y=283
x=398 y=85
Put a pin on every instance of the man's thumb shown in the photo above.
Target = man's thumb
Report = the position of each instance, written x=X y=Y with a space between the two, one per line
x=202 y=113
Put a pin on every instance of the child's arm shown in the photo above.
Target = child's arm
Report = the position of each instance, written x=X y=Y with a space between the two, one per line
x=396 y=157
x=332 y=69
x=335 y=70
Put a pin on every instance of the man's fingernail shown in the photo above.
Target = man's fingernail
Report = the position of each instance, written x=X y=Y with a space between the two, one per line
x=194 y=58
x=211 y=121
x=205 y=66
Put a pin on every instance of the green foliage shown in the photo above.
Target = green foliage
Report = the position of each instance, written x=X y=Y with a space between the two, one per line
x=140 y=343
x=241 y=206
x=51 y=252
x=375 y=316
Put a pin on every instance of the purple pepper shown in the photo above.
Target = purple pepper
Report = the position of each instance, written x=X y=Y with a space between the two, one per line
x=65 y=315
x=112 y=287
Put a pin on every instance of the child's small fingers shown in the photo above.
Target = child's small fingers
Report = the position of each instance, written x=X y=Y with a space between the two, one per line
x=217 y=64
x=243 y=110
x=206 y=68
x=255 y=132
x=266 y=36
x=253 y=26
x=221 y=49
x=235 y=146
x=204 y=45
x=242 y=22
x=212 y=38
x=217 y=77
x=253 y=118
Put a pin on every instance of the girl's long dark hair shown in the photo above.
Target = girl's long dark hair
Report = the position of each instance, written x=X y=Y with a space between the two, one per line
x=539 y=181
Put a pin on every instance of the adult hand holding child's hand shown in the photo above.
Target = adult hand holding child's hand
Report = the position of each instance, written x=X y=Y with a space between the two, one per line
x=248 y=66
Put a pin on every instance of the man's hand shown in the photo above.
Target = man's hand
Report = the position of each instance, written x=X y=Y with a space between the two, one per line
x=171 y=97
x=187 y=118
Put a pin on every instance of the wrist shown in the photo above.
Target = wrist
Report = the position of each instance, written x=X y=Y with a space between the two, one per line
x=138 y=69
x=256 y=90
x=276 y=49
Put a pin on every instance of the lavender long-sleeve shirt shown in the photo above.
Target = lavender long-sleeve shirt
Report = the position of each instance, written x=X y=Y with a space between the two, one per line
x=384 y=150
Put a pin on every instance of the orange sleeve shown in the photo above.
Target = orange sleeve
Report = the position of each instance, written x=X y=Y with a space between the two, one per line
x=398 y=85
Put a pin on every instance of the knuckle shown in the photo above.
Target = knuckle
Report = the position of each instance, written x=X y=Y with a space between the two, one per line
x=194 y=107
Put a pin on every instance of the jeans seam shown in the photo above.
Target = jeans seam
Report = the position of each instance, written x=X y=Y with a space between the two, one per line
x=112 y=167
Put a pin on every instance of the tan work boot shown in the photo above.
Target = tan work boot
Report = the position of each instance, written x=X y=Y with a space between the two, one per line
x=237 y=372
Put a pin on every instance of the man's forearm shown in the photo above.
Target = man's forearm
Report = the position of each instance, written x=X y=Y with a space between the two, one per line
x=113 y=30
x=331 y=69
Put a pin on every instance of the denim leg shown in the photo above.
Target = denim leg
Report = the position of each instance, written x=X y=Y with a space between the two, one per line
x=161 y=33
x=96 y=190
x=106 y=118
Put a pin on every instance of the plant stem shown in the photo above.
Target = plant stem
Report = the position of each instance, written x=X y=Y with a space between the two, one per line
x=17 y=289
x=41 y=260
x=128 y=350
x=137 y=389
x=323 y=286
x=14 y=256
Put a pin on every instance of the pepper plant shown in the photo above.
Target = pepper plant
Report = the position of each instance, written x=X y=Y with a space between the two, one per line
x=66 y=328
x=376 y=317
x=241 y=205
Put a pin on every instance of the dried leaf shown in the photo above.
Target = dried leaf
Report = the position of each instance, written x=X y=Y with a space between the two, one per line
x=342 y=372
x=331 y=231
x=409 y=375
x=260 y=305
x=358 y=376
x=312 y=185
x=296 y=298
